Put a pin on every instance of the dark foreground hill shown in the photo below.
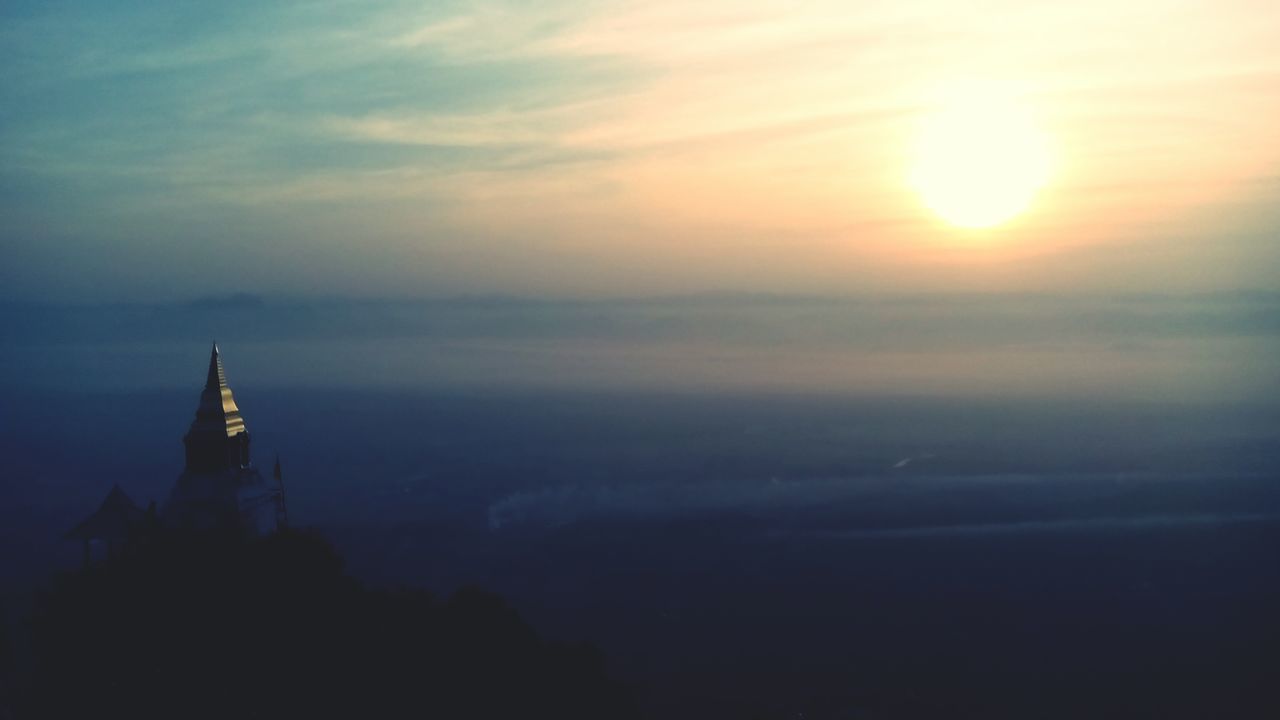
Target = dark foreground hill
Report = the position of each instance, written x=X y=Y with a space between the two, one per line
x=198 y=626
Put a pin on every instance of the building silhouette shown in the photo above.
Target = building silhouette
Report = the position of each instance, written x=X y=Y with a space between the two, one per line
x=219 y=488
x=110 y=526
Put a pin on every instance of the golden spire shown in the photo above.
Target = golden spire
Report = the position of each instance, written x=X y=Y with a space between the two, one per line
x=217 y=377
x=217 y=405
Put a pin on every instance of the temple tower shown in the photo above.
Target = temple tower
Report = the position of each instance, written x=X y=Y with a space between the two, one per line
x=219 y=487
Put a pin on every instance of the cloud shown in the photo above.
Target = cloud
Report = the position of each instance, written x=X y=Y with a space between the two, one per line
x=438 y=32
x=567 y=504
x=1075 y=525
x=657 y=147
x=488 y=32
x=859 y=508
x=487 y=129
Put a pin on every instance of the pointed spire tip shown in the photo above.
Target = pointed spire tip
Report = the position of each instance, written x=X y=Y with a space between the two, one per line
x=216 y=377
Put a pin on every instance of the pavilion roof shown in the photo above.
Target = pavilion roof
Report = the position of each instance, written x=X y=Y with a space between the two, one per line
x=111 y=521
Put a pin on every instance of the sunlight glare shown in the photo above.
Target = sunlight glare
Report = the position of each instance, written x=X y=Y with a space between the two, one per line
x=980 y=160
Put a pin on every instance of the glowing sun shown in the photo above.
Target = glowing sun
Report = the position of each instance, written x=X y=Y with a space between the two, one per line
x=980 y=160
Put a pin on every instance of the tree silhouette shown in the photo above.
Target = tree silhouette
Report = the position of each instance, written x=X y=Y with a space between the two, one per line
x=214 y=626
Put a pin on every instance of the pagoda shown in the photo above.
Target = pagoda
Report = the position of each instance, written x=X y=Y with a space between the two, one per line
x=219 y=488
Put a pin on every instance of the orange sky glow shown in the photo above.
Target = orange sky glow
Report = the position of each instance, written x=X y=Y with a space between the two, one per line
x=664 y=147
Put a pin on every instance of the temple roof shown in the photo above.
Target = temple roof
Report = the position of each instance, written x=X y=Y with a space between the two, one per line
x=111 y=521
x=217 y=410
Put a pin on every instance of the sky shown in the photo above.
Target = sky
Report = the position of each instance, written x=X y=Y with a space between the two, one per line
x=163 y=151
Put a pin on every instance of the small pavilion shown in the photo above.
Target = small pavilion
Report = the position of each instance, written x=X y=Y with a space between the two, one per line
x=109 y=526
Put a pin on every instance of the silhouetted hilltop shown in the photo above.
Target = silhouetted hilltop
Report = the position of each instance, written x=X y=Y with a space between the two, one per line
x=213 y=626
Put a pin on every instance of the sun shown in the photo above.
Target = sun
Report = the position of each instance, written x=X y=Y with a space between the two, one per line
x=980 y=160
